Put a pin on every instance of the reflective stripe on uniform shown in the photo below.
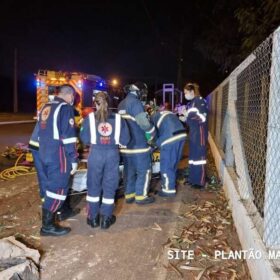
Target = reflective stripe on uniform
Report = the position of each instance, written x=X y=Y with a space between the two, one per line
x=151 y=130
x=108 y=200
x=135 y=151
x=130 y=195
x=169 y=191
x=55 y=195
x=69 y=140
x=163 y=115
x=55 y=115
x=166 y=183
x=127 y=117
x=117 y=128
x=195 y=110
x=92 y=128
x=140 y=197
x=174 y=138
x=197 y=162
x=147 y=181
x=92 y=198
x=34 y=143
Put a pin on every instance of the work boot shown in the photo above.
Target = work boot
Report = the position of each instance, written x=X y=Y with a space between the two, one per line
x=106 y=221
x=49 y=228
x=95 y=222
x=146 y=200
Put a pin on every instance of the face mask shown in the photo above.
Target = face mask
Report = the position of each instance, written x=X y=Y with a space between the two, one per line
x=189 y=95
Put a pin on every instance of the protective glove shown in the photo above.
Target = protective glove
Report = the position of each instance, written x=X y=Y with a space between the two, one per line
x=122 y=146
x=181 y=110
x=74 y=168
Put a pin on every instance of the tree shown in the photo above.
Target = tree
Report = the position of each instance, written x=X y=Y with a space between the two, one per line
x=263 y=16
x=219 y=39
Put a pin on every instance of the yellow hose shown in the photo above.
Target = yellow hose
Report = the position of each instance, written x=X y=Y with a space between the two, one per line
x=16 y=170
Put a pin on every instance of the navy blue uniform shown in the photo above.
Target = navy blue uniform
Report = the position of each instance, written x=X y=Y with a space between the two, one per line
x=57 y=137
x=198 y=135
x=171 y=136
x=41 y=172
x=137 y=155
x=103 y=161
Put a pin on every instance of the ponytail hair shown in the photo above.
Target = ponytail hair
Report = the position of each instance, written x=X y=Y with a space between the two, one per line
x=102 y=112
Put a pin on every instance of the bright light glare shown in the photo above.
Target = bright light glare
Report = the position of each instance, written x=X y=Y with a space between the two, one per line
x=115 y=82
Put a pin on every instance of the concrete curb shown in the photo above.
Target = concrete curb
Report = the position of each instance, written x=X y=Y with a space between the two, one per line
x=17 y=122
x=249 y=237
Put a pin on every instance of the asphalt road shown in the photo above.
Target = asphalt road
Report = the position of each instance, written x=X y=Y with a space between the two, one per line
x=11 y=134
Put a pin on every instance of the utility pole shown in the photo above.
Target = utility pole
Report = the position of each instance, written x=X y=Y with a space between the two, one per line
x=180 y=60
x=15 y=82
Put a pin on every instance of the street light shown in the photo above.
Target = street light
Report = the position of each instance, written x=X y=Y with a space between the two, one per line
x=115 y=82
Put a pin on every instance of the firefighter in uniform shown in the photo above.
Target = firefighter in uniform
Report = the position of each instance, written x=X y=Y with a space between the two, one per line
x=171 y=136
x=137 y=155
x=104 y=132
x=196 y=118
x=58 y=155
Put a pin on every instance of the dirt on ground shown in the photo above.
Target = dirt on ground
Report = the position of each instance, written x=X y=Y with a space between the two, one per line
x=139 y=246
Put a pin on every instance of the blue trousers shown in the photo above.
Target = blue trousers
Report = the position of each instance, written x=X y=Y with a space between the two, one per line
x=170 y=155
x=102 y=179
x=58 y=175
x=137 y=175
x=41 y=173
x=197 y=154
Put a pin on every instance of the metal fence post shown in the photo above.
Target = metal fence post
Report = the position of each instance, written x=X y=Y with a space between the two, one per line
x=272 y=182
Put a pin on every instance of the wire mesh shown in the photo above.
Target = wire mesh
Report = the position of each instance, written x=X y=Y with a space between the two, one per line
x=252 y=111
x=246 y=116
x=219 y=98
x=272 y=187
x=225 y=90
x=212 y=113
x=224 y=103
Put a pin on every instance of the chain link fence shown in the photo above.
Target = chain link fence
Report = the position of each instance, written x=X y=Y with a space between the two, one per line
x=244 y=122
x=252 y=111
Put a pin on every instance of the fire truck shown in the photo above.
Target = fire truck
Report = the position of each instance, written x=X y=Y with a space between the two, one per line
x=86 y=85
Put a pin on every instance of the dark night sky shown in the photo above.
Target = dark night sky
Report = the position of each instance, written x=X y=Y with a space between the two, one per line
x=131 y=40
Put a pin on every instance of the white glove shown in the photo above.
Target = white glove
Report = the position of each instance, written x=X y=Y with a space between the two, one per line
x=182 y=118
x=74 y=168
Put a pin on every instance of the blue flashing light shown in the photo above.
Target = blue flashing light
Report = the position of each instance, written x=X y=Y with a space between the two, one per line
x=101 y=84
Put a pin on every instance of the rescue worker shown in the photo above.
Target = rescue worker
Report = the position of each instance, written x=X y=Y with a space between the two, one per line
x=171 y=136
x=65 y=211
x=137 y=155
x=57 y=152
x=196 y=118
x=41 y=174
x=104 y=131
